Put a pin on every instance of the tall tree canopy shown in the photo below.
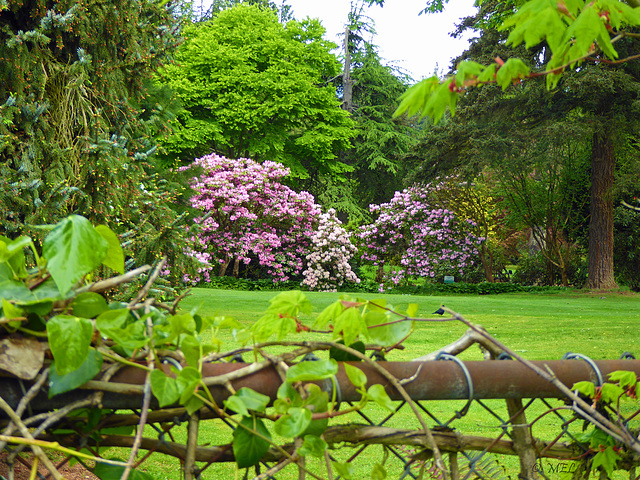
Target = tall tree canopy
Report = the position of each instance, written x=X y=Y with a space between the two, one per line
x=253 y=87
x=76 y=123
x=599 y=90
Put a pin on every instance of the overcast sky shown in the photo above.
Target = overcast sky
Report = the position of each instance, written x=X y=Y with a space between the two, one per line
x=417 y=43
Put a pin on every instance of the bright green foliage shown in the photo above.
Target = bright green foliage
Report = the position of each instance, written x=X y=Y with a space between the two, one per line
x=252 y=87
x=573 y=31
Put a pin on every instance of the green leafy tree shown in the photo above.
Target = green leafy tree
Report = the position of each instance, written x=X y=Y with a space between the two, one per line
x=599 y=85
x=372 y=88
x=252 y=87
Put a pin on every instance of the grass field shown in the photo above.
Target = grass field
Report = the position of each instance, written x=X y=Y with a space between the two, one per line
x=539 y=327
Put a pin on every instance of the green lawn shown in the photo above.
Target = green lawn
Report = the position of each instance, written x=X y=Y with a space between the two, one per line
x=539 y=327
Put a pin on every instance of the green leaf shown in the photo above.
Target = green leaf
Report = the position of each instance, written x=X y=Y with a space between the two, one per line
x=317 y=401
x=586 y=388
x=272 y=323
x=610 y=393
x=311 y=371
x=606 y=459
x=294 y=423
x=188 y=380
x=248 y=447
x=69 y=340
x=193 y=349
x=624 y=378
x=356 y=376
x=378 y=394
x=87 y=371
x=345 y=470
x=234 y=404
x=114 y=258
x=123 y=329
x=386 y=334
x=512 y=70
x=290 y=303
x=73 y=249
x=328 y=315
x=378 y=472
x=252 y=400
x=314 y=446
x=10 y=311
x=12 y=252
x=114 y=472
x=349 y=324
x=89 y=305
x=164 y=387
x=340 y=355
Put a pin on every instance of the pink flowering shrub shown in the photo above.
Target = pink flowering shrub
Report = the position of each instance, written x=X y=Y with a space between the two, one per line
x=417 y=239
x=248 y=215
x=330 y=252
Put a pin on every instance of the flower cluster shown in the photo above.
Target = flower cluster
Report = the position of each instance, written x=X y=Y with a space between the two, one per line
x=330 y=253
x=418 y=239
x=249 y=215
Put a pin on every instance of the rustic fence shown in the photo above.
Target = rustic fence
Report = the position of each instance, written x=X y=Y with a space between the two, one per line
x=437 y=407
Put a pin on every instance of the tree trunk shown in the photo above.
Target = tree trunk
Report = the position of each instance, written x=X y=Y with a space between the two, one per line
x=223 y=266
x=601 y=223
x=236 y=267
x=347 y=83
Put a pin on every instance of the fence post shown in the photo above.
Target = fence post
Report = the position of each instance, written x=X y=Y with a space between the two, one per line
x=522 y=440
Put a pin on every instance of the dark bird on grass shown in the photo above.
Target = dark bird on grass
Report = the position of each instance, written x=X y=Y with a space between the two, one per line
x=439 y=311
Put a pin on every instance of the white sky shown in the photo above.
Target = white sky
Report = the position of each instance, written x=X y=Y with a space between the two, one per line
x=417 y=43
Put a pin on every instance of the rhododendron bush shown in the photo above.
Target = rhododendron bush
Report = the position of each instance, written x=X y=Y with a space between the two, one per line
x=417 y=239
x=248 y=215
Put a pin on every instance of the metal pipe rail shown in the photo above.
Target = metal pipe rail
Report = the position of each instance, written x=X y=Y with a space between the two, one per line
x=431 y=380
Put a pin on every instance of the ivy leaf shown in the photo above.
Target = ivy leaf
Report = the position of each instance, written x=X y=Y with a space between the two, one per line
x=587 y=389
x=188 y=380
x=294 y=423
x=164 y=387
x=311 y=371
x=10 y=311
x=251 y=399
x=73 y=249
x=345 y=470
x=378 y=394
x=69 y=340
x=356 y=376
x=272 y=323
x=193 y=349
x=313 y=445
x=378 y=472
x=317 y=401
x=89 y=305
x=340 y=355
x=114 y=258
x=87 y=371
x=248 y=447
x=12 y=252
x=114 y=472
x=117 y=325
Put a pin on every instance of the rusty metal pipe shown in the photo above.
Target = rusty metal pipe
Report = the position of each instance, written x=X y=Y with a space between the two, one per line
x=434 y=380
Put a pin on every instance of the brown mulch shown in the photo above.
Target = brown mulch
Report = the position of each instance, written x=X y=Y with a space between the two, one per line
x=22 y=468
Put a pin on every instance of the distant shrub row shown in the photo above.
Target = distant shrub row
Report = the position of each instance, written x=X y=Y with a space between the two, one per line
x=484 y=288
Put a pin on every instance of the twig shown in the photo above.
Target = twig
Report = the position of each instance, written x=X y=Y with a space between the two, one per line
x=147 y=286
x=104 y=285
x=147 y=391
x=25 y=433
